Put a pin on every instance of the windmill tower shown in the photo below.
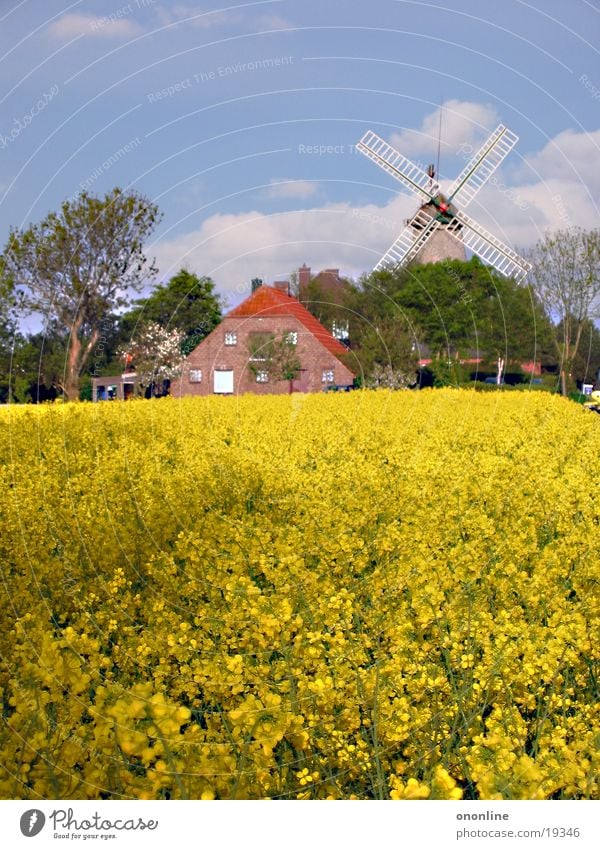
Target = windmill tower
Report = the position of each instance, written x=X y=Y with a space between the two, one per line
x=440 y=229
x=441 y=245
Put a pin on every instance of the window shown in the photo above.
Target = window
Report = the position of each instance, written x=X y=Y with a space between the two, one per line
x=195 y=375
x=260 y=346
x=327 y=375
x=262 y=377
x=291 y=337
x=340 y=330
x=230 y=337
x=223 y=382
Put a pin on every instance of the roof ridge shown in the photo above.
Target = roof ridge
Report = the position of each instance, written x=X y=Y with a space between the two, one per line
x=267 y=299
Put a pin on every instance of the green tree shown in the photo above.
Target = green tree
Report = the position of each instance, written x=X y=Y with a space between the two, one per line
x=8 y=337
x=386 y=354
x=32 y=369
x=512 y=326
x=76 y=266
x=328 y=297
x=319 y=300
x=445 y=300
x=38 y=364
x=186 y=303
x=277 y=356
x=6 y=340
x=586 y=363
x=566 y=278
x=459 y=310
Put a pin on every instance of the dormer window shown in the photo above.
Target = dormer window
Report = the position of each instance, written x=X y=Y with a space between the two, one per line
x=340 y=330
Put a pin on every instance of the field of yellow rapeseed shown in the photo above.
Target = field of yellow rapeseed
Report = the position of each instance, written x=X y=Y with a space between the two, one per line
x=373 y=595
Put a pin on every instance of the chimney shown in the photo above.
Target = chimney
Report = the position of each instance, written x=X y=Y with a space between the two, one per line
x=282 y=286
x=303 y=277
x=256 y=283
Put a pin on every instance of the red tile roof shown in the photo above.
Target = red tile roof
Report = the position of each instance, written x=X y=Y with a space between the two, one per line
x=266 y=301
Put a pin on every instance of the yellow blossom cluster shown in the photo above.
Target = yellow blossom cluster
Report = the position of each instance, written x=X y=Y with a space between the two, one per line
x=371 y=595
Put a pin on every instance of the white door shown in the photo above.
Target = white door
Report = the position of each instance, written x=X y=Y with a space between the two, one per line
x=223 y=382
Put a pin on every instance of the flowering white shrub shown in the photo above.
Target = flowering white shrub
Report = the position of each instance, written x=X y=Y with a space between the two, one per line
x=155 y=353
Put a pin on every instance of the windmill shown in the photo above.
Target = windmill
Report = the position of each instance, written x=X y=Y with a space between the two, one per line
x=440 y=216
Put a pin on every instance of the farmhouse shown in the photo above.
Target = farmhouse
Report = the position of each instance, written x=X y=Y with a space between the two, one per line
x=269 y=344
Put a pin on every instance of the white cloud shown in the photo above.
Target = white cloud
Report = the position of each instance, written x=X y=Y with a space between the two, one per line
x=292 y=189
x=463 y=122
x=205 y=19
x=559 y=183
x=570 y=155
x=196 y=17
x=109 y=26
x=273 y=22
x=235 y=248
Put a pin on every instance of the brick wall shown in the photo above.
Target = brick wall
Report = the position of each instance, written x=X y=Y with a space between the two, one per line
x=441 y=246
x=303 y=276
x=212 y=354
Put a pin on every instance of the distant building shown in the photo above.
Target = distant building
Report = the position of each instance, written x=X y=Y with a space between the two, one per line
x=472 y=358
x=119 y=387
x=123 y=387
x=229 y=360
x=325 y=295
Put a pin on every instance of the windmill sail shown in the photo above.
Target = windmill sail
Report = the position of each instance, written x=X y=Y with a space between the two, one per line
x=411 y=240
x=388 y=158
x=439 y=213
x=482 y=166
x=488 y=247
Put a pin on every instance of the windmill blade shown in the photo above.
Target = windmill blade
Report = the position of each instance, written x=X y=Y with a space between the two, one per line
x=388 y=158
x=415 y=235
x=488 y=247
x=482 y=166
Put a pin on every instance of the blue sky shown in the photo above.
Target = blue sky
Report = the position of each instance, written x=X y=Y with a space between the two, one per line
x=239 y=120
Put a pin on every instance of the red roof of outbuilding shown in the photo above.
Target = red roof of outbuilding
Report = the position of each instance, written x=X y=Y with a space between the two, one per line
x=267 y=301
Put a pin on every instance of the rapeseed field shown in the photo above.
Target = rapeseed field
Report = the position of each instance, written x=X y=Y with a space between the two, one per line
x=368 y=595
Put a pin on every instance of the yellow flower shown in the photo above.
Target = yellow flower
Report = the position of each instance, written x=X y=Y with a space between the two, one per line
x=370 y=594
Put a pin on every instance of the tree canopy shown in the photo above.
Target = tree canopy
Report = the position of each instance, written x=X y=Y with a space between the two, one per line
x=78 y=265
x=386 y=354
x=586 y=362
x=454 y=309
x=186 y=303
x=566 y=279
x=276 y=356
